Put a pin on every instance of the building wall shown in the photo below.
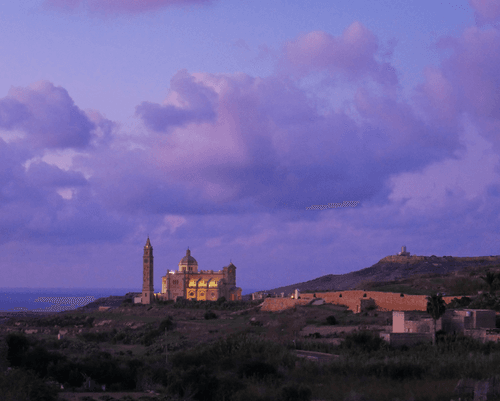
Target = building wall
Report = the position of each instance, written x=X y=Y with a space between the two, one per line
x=398 y=322
x=203 y=285
x=484 y=319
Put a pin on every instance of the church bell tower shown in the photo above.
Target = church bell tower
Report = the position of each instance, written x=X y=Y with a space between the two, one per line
x=147 y=276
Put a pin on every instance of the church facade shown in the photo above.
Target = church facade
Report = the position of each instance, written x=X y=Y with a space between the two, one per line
x=202 y=285
x=188 y=282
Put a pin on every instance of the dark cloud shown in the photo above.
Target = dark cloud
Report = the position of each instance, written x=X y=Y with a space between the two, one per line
x=197 y=104
x=42 y=174
x=47 y=115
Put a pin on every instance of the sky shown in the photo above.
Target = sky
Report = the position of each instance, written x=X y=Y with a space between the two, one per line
x=215 y=124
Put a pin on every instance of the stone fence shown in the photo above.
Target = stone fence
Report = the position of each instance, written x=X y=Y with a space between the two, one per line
x=354 y=300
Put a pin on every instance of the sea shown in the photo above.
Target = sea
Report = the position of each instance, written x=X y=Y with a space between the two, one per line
x=53 y=299
x=56 y=299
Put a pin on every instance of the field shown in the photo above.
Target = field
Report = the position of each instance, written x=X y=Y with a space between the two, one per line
x=233 y=351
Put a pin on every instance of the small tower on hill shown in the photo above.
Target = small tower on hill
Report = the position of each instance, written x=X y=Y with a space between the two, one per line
x=403 y=252
x=147 y=275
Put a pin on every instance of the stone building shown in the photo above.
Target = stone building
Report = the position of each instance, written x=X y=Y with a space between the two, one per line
x=202 y=285
x=410 y=328
x=403 y=252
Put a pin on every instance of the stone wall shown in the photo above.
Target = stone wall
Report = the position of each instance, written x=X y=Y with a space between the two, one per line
x=279 y=304
x=385 y=301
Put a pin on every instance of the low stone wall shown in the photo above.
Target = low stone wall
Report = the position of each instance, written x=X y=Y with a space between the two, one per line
x=279 y=304
x=384 y=301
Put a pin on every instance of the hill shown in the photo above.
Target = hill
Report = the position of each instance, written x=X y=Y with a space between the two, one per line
x=409 y=274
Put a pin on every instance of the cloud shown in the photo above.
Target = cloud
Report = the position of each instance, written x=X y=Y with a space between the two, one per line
x=42 y=174
x=120 y=6
x=47 y=115
x=466 y=84
x=240 y=144
x=352 y=55
x=486 y=11
x=12 y=113
x=188 y=102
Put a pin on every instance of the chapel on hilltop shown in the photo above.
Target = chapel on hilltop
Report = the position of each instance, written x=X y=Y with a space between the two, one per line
x=188 y=282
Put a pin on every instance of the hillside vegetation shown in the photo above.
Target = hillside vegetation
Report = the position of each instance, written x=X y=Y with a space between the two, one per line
x=422 y=276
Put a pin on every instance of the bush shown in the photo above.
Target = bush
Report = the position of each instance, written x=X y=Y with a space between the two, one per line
x=331 y=320
x=22 y=385
x=210 y=315
x=294 y=392
x=18 y=346
x=258 y=369
x=364 y=341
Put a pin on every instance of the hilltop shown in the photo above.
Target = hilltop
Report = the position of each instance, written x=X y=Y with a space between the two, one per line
x=409 y=274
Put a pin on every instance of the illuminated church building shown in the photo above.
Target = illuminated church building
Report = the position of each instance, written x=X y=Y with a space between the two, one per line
x=190 y=283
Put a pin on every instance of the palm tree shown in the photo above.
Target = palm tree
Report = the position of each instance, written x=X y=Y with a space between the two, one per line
x=490 y=278
x=435 y=308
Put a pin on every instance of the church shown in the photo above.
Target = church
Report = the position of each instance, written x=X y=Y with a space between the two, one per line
x=188 y=282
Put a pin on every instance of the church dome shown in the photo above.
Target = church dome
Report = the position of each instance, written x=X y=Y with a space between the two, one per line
x=188 y=259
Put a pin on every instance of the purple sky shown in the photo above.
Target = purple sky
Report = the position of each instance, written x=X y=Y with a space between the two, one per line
x=214 y=124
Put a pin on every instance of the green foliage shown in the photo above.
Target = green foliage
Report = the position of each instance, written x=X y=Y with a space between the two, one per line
x=220 y=304
x=257 y=369
x=210 y=315
x=294 y=392
x=331 y=320
x=492 y=280
x=435 y=306
x=486 y=301
x=22 y=385
x=363 y=341
x=17 y=345
x=102 y=336
x=457 y=303
x=465 y=285
x=149 y=337
x=64 y=320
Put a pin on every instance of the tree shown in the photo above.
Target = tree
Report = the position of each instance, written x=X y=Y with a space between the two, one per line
x=490 y=279
x=435 y=308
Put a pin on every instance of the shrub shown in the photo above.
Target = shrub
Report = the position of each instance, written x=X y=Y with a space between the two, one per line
x=210 y=315
x=18 y=345
x=294 y=392
x=167 y=323
x=258 y=369
x=364 y=341
x=18 y=384
x=331 y=320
